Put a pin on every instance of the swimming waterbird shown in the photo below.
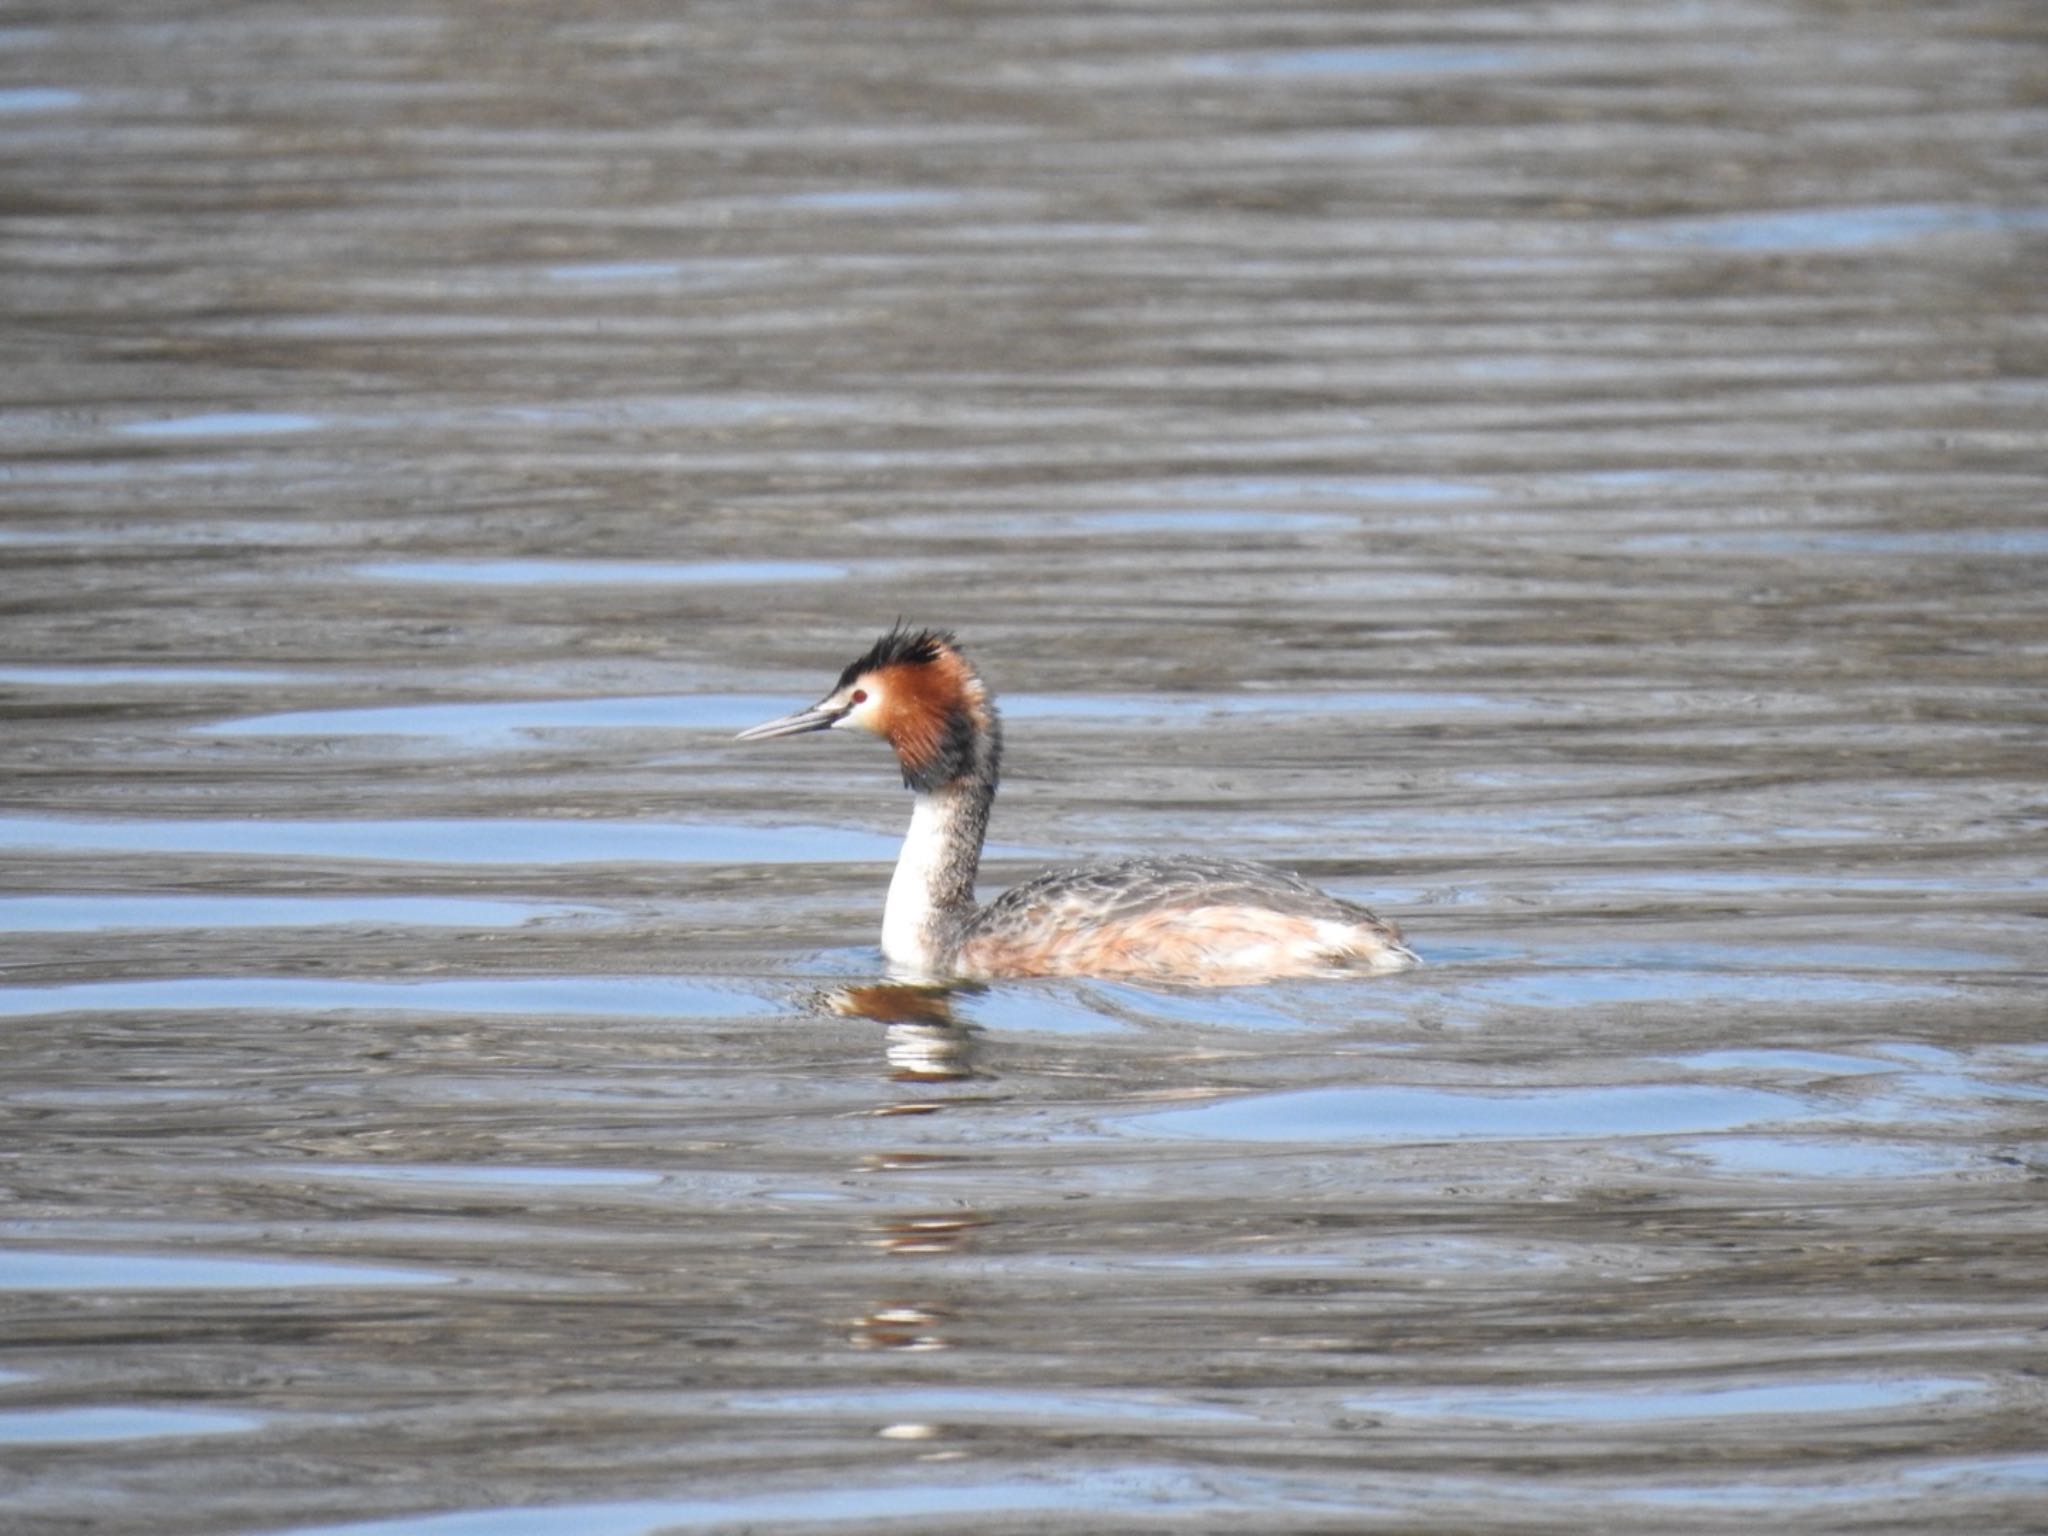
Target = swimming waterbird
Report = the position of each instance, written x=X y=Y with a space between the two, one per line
x=1197 y=921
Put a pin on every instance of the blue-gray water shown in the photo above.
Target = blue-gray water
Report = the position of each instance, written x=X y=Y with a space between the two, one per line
x=1571 y=477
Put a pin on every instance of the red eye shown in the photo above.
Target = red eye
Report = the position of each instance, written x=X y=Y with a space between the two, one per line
x=860 y=695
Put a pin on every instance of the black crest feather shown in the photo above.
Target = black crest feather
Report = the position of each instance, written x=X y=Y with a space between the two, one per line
x=901 y=646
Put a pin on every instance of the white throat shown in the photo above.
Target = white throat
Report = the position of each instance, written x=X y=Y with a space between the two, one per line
x=910 y=934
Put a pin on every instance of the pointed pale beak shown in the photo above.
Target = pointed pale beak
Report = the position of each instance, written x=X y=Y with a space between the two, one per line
x=816 y=718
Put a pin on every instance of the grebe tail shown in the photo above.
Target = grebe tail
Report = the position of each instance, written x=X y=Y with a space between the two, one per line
x=1192 y=921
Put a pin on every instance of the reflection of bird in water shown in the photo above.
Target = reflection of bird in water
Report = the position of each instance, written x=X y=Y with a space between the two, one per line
x=927 y=1043
x=1205 y=921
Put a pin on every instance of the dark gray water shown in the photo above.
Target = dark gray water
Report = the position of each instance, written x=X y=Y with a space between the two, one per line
x=1570 y=477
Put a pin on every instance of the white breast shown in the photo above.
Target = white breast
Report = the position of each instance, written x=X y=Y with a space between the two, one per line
x=907 y=919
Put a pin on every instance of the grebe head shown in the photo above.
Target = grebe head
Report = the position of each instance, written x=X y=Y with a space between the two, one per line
x=915 y=690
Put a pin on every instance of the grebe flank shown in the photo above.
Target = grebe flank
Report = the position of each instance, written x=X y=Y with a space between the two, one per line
x=1211 y=922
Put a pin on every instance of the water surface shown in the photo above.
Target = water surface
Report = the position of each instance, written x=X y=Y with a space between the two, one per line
x=1570 y=478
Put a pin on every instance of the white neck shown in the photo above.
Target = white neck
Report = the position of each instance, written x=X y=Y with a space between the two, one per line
x=927 y=894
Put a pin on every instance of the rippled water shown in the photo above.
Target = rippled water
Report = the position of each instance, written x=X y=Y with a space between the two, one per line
x=1571 y=478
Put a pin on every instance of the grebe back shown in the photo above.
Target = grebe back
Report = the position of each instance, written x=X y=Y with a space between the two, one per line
x=1177 y=920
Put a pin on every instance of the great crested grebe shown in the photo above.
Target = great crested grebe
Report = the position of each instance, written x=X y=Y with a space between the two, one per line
x=1212 y=922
